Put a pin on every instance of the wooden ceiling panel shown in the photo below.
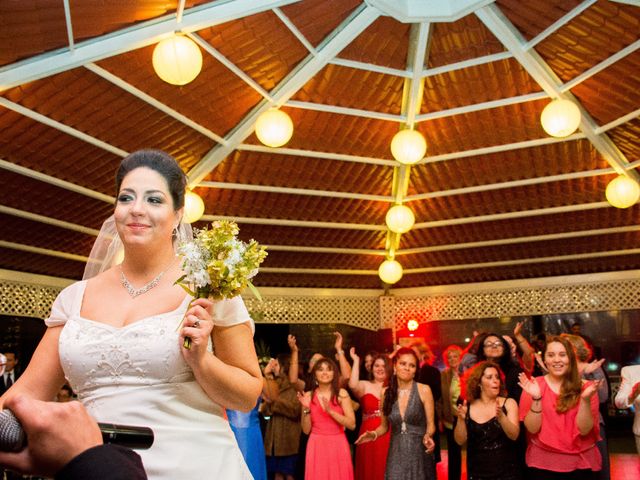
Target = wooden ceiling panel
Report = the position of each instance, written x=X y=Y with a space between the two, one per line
x=559 y=223
x=316 y=19
x=385 y=42
x=606 y=104
x=531 y=17
x=627 y=139
x=254 y=168
x=333 y=261
x=347 y=87
x=304 y=280
x=461 y=40
x=28 y=262
x=217 y=99
x=602 y=30
x=478 y=84
x=511 y=165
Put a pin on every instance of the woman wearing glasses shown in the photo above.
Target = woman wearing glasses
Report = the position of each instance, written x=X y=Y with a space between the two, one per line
x=495 y=348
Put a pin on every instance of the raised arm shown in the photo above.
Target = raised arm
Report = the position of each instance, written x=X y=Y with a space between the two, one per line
x=355 y=384
x=585 y=419
x=294 y=366
x=305 y=419
x=628 y=391
x=533 y=418
x=527 y=350
x=460 y=432
x=345 y=368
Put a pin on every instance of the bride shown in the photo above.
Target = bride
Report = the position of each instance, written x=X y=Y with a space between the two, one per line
x=115 y=336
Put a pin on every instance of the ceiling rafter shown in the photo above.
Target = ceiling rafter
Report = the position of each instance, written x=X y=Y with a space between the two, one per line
x=69 y=25
x=512 y=39
x=125 y=40
x=561 y=22
x=360 y=19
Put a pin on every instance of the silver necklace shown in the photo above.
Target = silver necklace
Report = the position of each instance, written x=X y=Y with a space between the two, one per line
x=134 y=292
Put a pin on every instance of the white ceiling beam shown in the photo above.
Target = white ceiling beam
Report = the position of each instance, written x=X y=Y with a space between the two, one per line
x=318 y=271
x=511 y=215
x=472 y=62
x=618 y=121
x=418 y=50
x=293 y=29
x=294 y=191
x=42 y=177
x=566 y=18
x=48 y=220
x=69 y=24
x=369 y=67
x=517 y=240
x=523 y=261
x=42 y=251
x=125 y=40
x=180 y=11
x=297 y=152
x=601 y=66
x=206 y=46
x=635 y=3
x=510 y=184
x=312 y=249
x=357 y=22
x=354 y=112
x=163 y=107
x=540 y=71
x=295 y=223
x=62 y=127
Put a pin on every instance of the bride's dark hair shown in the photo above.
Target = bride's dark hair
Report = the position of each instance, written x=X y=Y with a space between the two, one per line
x=161 y=162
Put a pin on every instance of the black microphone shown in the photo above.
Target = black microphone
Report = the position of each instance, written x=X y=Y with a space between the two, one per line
x=13 y=438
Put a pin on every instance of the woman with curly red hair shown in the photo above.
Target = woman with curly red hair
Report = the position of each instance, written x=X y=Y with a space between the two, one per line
x=488 y=424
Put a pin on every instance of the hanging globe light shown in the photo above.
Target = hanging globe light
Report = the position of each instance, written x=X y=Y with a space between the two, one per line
x=408 y=147
x=193 y=207
x=390 y=271
x=274 y=128
x=622 y=192
x=560 y=118
x=400 y=219
x=177 y=60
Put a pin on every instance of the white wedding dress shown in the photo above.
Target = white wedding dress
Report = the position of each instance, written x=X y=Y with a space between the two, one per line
x=135 y=375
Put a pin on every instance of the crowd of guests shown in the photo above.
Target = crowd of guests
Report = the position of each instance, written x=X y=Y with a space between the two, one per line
x=521 y=411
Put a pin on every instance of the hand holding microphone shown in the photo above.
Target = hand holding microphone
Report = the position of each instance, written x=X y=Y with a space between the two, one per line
x=41 y=437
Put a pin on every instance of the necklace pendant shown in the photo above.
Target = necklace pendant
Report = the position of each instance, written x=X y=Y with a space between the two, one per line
x=135 y=292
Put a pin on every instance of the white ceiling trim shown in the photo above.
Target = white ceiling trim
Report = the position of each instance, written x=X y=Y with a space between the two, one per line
x=121 y=41
x=163 y=107
x=354 y=112
x=293 y=29
x=48 y=220
x=69 y=24
x=294 y=191
x=315 y=154
x=566 y=18
x=62 y=127
x=42 y=177
x=281 y=222
x=618 y=121
x=318 y=271
x=180 y=11
x=473 y=62
x=369 y=67
x=334 y=43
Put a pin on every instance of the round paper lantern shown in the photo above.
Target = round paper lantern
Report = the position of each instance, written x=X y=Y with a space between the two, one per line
x=623 y=192
x=400 y=219
x=177 y=60
x=274 y=128
x=193 y=207
x=560 y=118
x=390 y=271
x=408 y=147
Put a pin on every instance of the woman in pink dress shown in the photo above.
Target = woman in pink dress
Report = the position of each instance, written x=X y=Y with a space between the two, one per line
x=371 y=457
x=326 y=411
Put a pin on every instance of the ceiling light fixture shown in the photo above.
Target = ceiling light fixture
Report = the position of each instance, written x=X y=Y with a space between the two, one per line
x=193 y=207
x=622 y=192
x=274 y=128
x=400 y=219
x=408 y=146
x=390 y=271
x=560 y=118
x=177 y=60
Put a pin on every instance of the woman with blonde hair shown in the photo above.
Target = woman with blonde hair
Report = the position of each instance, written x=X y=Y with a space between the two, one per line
x=560 y=413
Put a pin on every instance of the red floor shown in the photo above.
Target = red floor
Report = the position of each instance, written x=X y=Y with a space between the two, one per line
x=624 y=466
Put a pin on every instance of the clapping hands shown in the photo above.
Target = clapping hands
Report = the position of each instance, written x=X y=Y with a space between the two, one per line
x=589 y=389
x=461 y=411
x=529 y=385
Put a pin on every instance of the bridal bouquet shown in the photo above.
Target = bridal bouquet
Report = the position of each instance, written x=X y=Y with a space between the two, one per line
x=217 y=264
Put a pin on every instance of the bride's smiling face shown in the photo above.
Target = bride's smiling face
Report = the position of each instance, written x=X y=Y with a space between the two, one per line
x=144 y=211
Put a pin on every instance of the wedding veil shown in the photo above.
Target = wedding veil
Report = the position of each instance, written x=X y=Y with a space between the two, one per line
x=108 y=250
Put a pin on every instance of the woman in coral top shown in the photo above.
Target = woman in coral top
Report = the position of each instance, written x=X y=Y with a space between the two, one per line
x=560 y=414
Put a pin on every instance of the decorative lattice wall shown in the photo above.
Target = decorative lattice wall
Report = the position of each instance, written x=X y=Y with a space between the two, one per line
x=586 y=297
x=375 y=312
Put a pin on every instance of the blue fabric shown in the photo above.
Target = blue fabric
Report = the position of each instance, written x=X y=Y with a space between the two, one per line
x=246 y=428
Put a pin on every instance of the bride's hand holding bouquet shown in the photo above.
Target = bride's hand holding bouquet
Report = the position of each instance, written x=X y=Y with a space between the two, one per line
x=216 y=266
